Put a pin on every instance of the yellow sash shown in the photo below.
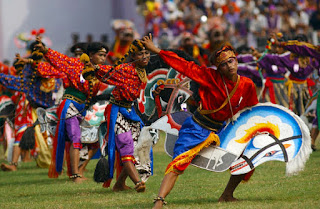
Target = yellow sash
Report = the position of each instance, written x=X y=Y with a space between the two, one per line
x=207 y=112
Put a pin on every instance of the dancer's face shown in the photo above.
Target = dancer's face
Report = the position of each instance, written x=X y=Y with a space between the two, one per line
x=229 y=67
x=98 y=57
x=142 y=58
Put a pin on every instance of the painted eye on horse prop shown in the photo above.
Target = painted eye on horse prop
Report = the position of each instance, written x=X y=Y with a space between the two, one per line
x=269 y=154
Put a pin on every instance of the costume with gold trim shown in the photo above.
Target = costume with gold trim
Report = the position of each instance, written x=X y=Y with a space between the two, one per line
x=298 y=83
x=305 y=49
x=193 y=136
x=77 y=91
x=28 y=96
x=128 y=81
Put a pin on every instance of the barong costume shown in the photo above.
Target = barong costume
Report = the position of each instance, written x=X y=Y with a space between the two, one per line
x=298 y=84
x=124 y=124
x=199 y=130
x=31 y=92
x=71 y=110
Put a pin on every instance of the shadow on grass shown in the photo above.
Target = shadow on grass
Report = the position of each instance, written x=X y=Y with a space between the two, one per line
x=198 y=201
x=206 y=201
x=23 y=182
x=72 y=192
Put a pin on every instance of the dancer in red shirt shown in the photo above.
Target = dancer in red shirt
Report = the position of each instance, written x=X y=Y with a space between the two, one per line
x=223 y=93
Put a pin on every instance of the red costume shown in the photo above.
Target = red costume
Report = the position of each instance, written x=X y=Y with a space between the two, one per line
x=199 y=131
x=76 y=93
x=125 y=79
x=212 y=90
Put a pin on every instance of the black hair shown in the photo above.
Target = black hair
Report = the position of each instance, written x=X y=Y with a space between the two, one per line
x=135 y=47
x=31 y=46
x=94 y=47
x=217 y=46
x=82 y=45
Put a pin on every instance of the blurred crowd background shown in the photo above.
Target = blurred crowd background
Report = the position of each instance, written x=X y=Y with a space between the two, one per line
x=246 y=23
x=189 y=25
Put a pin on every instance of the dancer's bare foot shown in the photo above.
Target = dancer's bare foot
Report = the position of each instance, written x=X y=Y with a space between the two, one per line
x=140 y=187
x=227 y=199
x=76 y=178
x=6 y=167
x=119 y=188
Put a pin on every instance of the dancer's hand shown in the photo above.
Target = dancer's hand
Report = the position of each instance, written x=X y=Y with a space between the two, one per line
x=20 y=61
x=147 y=42
x=274 y=39
x=40 y=46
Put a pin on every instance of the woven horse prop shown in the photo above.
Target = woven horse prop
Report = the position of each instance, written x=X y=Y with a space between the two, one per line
x=264 y=132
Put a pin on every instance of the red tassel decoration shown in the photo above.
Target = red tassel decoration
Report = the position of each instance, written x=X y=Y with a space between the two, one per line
x=41 y=31
x=34 y=32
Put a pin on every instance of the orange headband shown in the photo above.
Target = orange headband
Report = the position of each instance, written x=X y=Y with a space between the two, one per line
x=225 y=53
x=224 y=56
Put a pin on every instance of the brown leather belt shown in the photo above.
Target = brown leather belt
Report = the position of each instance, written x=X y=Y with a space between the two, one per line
x=206 y=122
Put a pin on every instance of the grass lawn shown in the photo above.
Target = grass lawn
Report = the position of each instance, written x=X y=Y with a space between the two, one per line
x=30 y=187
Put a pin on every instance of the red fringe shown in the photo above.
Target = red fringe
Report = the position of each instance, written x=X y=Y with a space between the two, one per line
x=269 y=85
x=310 y=83
x=52 y=168
x=248 y=176
x=117 y=165
x=107 y=183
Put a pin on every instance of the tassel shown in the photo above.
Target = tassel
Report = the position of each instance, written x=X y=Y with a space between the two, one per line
x=101 y=173
x=28 y=139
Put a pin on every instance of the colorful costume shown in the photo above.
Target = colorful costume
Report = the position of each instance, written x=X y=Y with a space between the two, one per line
x=306 y=49
x=34 y=92
x=72 y=108
x=123 y=122
x=199 y=130
x=299 y=83
x=275 y=90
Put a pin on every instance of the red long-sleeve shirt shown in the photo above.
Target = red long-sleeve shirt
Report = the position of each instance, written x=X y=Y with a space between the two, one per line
x=67 y=68
x=212 y=89
x=125 y=79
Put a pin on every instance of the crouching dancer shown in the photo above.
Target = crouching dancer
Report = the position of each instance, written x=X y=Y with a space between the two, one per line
x=223 y=93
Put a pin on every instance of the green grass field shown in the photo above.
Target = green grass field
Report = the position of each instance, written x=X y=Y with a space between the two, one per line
x=30 y=187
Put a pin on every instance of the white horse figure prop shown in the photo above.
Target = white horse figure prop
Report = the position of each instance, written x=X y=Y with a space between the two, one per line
x=258 y=134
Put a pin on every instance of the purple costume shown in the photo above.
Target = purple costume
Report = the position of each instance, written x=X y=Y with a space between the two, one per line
x=306 y=49
x=300 y=68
